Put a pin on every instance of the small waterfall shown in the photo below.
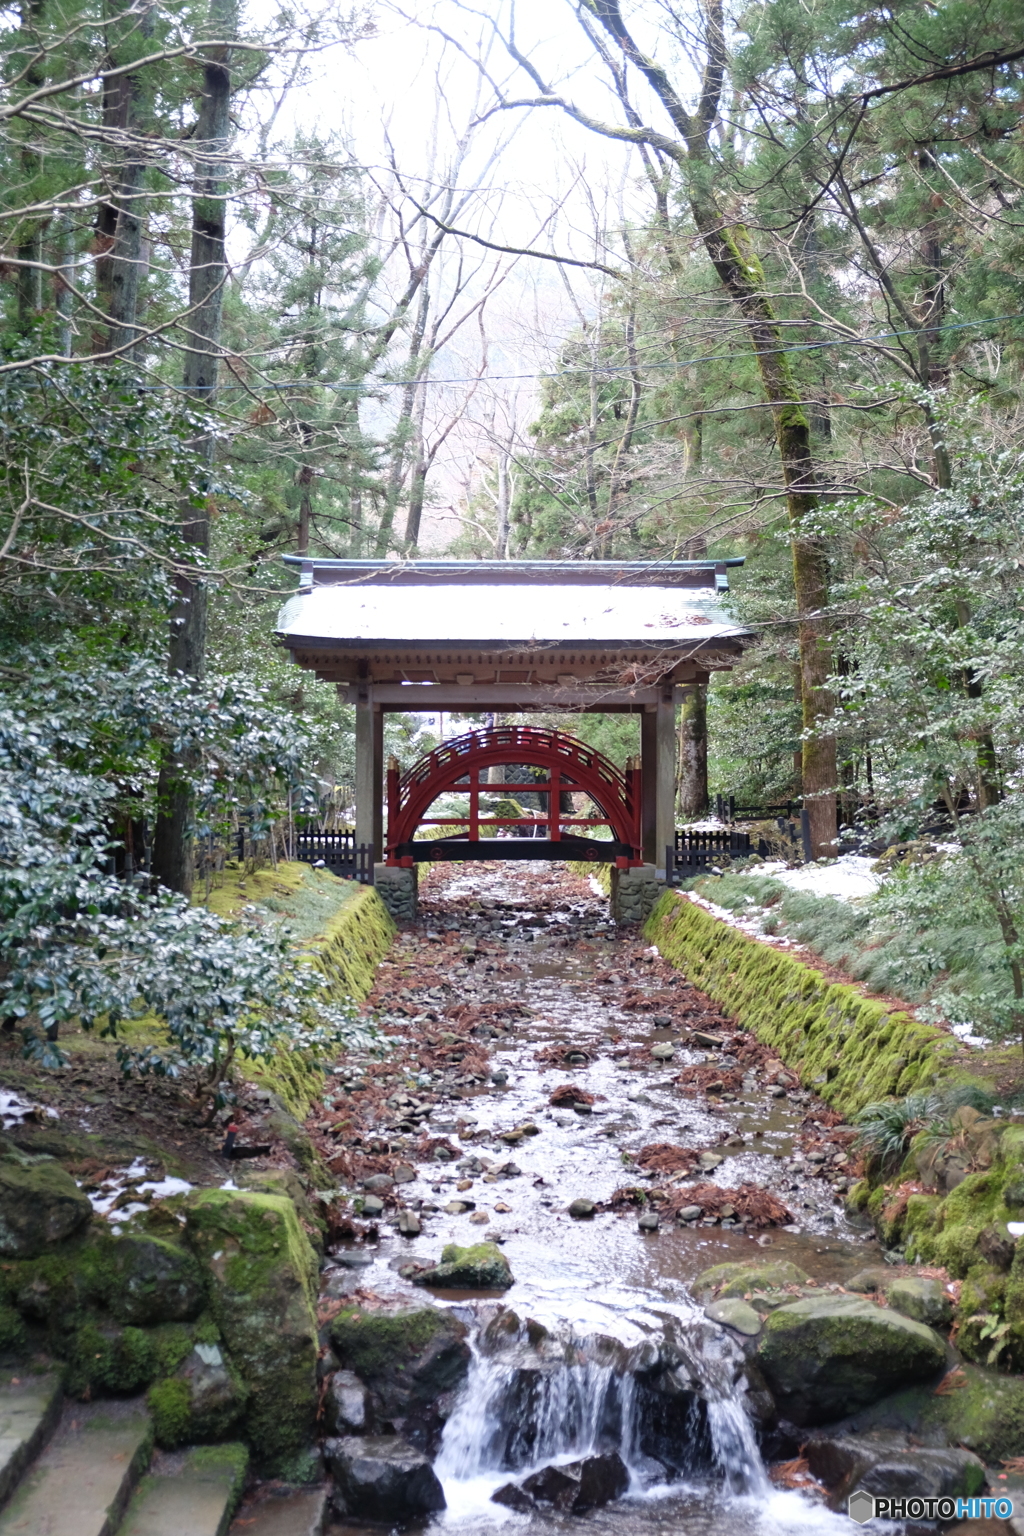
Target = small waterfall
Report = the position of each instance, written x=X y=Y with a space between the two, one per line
x=670 y=1411
x=513 y=1416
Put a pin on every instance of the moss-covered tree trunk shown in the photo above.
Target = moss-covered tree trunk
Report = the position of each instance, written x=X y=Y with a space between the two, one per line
x=172 y=840
x=740 y=271
x=732 y=253
x=693 y=753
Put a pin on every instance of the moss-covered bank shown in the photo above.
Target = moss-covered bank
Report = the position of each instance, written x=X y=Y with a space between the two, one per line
x=348 y=948
x=850 y=1048
x=354 y=942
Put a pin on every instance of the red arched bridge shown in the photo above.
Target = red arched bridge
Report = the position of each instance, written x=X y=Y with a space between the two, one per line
x=566 y=767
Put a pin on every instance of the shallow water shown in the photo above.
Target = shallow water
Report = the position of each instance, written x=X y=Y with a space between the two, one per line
x=600 y=1279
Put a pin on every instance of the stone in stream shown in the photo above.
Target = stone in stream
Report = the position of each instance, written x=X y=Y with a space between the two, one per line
x=690 y=1213
x=404 y=1174
x=379 y=1184
x=345 y=1404
x=580 y=1209
x=511 y=1496
x=708 y=1041
x=411 y=1360
x=734 y=1313
x=372 y=1206
x=663 y=1052
x=581 y=1485
x=876 y=1466
x=826 y=1357
x=382 y=1477
x=409 y=1223
x=354 y=1258
x=927 y=1301
x=40 y=1204
x=481 y=1268
x=649 y=1221
x=737 y=1279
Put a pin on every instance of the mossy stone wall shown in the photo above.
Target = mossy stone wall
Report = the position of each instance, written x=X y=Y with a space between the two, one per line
x=354 y=943
x=348 y=950
x=850 y=1048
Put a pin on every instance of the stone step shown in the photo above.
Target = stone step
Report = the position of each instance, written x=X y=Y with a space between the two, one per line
x=191 y=1494
x=29 y=1413
x=81 y=1482
x=288 y=1512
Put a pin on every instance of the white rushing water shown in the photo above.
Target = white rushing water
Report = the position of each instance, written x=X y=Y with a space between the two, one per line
x=520 y=1411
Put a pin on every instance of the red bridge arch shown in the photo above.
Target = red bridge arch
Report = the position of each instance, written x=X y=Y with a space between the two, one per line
x=570 y=765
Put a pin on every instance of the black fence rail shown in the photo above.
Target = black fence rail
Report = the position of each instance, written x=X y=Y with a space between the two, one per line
x=337 y=851
x=726 y=809
x=700 y=849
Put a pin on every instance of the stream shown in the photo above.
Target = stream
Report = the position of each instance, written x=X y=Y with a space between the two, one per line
x=558 y=1365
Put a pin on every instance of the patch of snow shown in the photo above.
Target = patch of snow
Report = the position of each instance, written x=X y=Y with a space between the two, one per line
x=746 y=922
x=102 y=1200
x=965 y=1033
x=14 y=1110
x=848 y=878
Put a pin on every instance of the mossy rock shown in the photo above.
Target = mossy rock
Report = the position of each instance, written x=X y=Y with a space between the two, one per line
x=203 y=1401
x=13 y=1333
x=979 y=1409
x=285 y=1181
x=482 y=1267
x=261 y=1275
x=105 y=1361
x=40 y=1205
x=826 y=1357
x=408 y=1357
x=154 y=1281
x=926 y=1301
x=737 y=1279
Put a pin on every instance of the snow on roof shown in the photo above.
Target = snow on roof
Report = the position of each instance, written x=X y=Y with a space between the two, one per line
x=509 y=613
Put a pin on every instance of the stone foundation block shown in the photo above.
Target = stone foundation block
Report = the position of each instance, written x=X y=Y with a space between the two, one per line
x=634 y=893
x=397 y=889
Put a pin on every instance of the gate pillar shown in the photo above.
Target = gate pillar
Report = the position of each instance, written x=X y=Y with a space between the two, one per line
x=369 y=772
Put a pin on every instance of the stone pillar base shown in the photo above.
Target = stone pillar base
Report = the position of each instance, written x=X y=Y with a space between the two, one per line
x=634 y=892
x=397 y=890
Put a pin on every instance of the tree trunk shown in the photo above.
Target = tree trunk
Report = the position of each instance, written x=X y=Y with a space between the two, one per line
x=740 y=271
x=172 y=841
x=30 y=240
x=693 y=753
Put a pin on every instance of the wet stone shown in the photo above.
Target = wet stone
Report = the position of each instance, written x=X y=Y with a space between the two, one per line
x=581 y=1209
x=372 y=1206
x=734 y=1313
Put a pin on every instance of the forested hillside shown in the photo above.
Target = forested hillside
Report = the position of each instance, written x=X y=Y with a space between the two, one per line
x=795 y=332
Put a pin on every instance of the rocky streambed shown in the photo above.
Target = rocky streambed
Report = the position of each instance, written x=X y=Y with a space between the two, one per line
x=566 y=1250
x=595 y=1263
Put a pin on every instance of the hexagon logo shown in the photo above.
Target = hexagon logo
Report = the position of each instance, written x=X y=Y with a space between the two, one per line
x=861 y=1506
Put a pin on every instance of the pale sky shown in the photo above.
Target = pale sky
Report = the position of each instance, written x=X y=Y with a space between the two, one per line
x=537 y=180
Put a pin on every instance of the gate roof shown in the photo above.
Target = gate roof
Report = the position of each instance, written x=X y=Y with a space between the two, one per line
x=416 y=621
